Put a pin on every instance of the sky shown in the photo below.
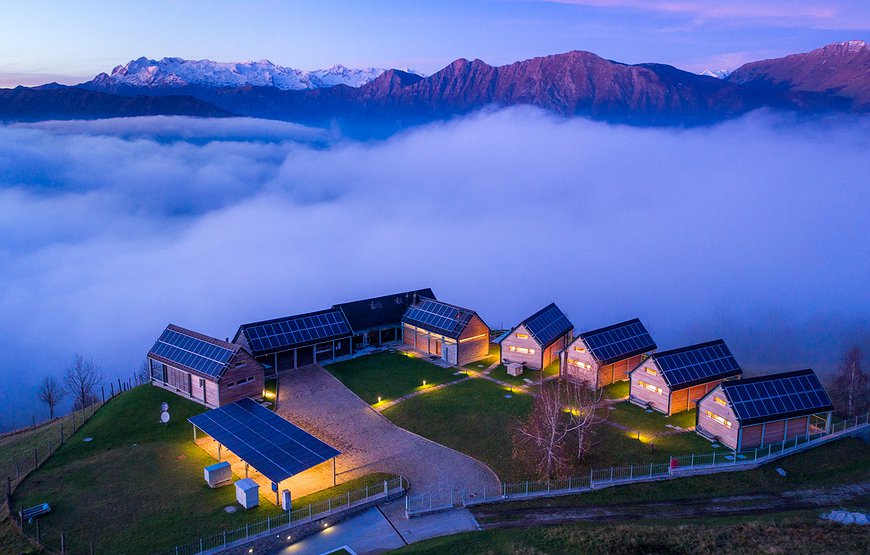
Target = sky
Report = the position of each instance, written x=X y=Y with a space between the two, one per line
x=753 y=230
x=70 y=42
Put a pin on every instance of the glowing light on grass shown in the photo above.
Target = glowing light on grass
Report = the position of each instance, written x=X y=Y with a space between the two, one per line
x=379 y=399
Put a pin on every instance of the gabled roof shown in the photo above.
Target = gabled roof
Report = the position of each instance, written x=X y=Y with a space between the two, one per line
x=697 y=364
x=776 y=396
x=193 y=351
x=380 y=311
x=547 y=325
x=618 y=341
x=291 y=332
x=438 y=317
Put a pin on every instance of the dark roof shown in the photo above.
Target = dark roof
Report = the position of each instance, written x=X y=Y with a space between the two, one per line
x=276 y=448
x=192 y=351
x=776 y=396
x=438 y=317
x=697 y=364
x=291 y=332
x=547 y=325
x=618 y=341
x=380 y=311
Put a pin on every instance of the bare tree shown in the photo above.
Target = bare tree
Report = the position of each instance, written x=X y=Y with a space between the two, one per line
x=850 y=385
x=81 y=380
x=540 y=441
x=50 y=392
x=143 y=374
x=583 y=404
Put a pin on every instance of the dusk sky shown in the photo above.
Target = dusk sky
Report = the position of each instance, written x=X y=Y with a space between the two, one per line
x=70 y=42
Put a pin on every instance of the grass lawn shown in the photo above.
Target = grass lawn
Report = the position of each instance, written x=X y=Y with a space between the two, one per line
x=491 y=358
x=473 y=417
x=617 y=390
x=138 y=479
x=388 y=375
x=637 y=418
x=782 y=533
x=500 y=373
x=19 y=447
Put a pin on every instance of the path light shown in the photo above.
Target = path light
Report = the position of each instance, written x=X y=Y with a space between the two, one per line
x=424 y=383
x=638 y=435
x=379 y=398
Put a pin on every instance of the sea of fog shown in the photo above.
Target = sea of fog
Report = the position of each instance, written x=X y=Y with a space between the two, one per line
x=756 y=231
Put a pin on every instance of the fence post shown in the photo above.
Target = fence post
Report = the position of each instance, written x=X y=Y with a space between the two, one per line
x=692 y=465
x=386 y=489
x=246 y=531
x=200 y=545
x=735 y=456
x=61 y=433
x=62 y=544
x=35 y=458
x=309 y=511
x=329 y=505
x=756 y=453
x=103 y=393
x=569 y=482
x=769 y=450
x=17 y=474
x=631 y=472
x=611 y=473
x=714 y=458
x=225 y=538
x=590 y=477
x=348 y=498
x=92 y=548
x=527 y=488
x=268 y=524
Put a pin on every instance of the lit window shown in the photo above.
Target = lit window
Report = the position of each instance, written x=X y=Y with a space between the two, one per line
x=522 y=336
x=650 y=387
x=720 y=400
x=580 y=349
x=651 y=371
x=717 y=418
x=523 y=350
x=575 y=362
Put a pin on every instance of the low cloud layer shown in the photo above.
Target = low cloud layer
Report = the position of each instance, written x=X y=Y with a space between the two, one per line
x=754 y=230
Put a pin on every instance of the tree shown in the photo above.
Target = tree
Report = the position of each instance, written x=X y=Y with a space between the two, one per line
x=50 y=392
x=583 y=403
x=143 y=374
x=81 y=379
x=850 y=386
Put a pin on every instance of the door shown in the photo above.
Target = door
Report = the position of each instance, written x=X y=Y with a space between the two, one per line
x=438 y=347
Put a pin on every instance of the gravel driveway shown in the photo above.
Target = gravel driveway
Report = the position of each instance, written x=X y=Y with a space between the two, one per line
x=312 y=398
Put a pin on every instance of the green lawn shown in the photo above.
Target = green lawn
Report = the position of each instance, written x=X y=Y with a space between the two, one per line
x=388 y=375
x=635 y=417
x=617 y=390
x=500 y=373
x=138 y=479
x=473 y=417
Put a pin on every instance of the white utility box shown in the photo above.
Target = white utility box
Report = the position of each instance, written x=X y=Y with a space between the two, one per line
x=218 y=474
x=514 y=368
x=247 y=493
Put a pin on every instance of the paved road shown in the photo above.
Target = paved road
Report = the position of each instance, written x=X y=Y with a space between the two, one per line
x=314 y=399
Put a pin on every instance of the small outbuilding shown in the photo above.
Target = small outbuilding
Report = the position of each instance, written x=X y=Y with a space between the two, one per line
x=606 y=355
x=756 y=412
x=674 y=381
x=536 y=341
x=378 y=321
x=457 y=335
x=207 y=370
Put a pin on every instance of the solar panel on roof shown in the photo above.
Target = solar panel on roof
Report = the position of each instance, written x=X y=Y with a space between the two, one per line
x=273 y=446
x=192 y=352
x=548 y=325
x=777 y=396
x=627 y=339
x=297 y=330
x=697 y=364
x=438 y=317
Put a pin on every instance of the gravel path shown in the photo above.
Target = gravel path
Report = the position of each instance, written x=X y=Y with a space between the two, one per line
x=312 y=398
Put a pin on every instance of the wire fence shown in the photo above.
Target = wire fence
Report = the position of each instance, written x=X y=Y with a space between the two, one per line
x=675 y=466
x=302 y=516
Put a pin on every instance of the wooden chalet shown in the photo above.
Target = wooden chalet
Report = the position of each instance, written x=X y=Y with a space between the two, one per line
x=756 y=412
x=674 y=381
x=606 y=355
x=207 y=370
x=536 y=341
x=457 y=335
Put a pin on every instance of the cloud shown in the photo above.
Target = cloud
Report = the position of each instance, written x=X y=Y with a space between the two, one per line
x=752 y=230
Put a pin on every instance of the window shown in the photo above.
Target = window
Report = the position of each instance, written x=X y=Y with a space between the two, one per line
x=576 y=362
x=580 y=349
x=522 y=336
x=651 y=371
x=522 y=350
x=650 y=387
x=717 y=418
x=720 y=400
x=202 y=383
x=240 y=382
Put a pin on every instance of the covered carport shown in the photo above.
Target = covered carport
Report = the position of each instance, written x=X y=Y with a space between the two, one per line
x=251 y=436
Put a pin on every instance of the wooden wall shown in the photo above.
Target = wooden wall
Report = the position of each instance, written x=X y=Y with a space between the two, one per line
x=242 y=366
x=687 y=398
x=577 y=353
x=476 y=344
x=529 y=360
x=642 y=395
x=727 y=436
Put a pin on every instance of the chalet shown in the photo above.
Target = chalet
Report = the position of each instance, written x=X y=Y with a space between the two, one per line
x=457 y=335
x=536 y=341
x=756 y=412
x=378 y=320
x=673 y=381
x=606 y=355
x=207 y=370
x=295 y=341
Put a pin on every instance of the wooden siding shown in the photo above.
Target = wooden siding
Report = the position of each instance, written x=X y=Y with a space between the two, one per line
x=572 y=357
x=551 y=353
x=242 y=366
x=476 y=342
x=529 y=360
x=750 y=436
x=727 y=436
x=642 y=395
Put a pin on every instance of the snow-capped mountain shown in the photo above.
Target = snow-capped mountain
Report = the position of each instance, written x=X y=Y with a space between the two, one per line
x=717 y=73
x=178 y=73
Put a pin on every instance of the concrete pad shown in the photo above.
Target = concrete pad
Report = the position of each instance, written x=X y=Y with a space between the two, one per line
x=429 y=526
x=367 y=532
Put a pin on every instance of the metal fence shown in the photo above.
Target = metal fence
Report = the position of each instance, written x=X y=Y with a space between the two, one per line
x=676 y=466
x=294 y=518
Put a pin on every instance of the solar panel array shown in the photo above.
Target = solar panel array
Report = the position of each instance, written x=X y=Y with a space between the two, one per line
x=610 y=344
x=548 y=325
x=297 y=330
x=273 y=446
x=697 y=364
x=192 y=352
x=777 y=396
x=438 y=317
